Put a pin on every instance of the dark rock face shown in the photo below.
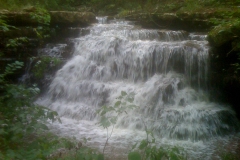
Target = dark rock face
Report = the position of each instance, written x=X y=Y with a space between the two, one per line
x=18 y=18
x=225 y=82
x=24 y=18
x=225 y=76
x=72 y=18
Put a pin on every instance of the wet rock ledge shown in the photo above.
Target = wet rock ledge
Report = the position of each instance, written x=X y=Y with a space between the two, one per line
x=72 y=18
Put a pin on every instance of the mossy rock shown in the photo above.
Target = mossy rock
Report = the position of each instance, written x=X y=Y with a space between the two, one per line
x=27 y=17
x=224 y=33
x=71 y=18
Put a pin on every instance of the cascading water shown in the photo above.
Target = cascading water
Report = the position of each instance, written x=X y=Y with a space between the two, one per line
x=165 y=70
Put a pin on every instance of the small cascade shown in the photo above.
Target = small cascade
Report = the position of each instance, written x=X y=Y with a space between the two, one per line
x=166 y=71
x=102 y=20
x=198 y=36
x=53 y=50
x=50 y=51
x=27 y=74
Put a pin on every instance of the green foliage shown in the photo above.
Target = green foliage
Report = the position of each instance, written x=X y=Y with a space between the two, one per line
x=109 y=114
x=72 y=150
x=217 y=21
x=193 y=5
x=47 y=146
x=229 y=156
x=48 y=4
x=226 y=32
x=83 y=154
x=4 y=27
x=134 y=156
x=117 y=6
x=45 y=64
x=44 y=32
x=16 y=42
x=151 y=6
x=124 y=13
x=19 y=117
x=147 y=149
x=10 y=68
x=41 y=16
x=23 y=124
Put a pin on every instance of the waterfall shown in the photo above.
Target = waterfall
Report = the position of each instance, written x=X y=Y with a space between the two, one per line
x=166 y=71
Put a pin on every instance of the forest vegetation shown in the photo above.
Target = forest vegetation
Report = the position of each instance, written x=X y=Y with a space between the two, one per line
x=23 y=130
x=120 y=5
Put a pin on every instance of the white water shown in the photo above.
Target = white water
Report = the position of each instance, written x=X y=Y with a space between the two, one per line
x=167 y=71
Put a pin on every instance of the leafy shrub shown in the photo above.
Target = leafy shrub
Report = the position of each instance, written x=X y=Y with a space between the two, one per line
x=109 y=114
x=16 y=42
x=19 y=116
x=41 y=16
x=4 y=27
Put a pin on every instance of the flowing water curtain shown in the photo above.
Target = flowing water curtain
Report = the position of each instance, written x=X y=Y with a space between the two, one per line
x=166 y=71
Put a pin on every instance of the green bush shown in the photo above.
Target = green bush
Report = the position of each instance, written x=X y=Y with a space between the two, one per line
x=19 y=116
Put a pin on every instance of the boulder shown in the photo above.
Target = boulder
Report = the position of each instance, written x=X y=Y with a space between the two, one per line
x=72 y=18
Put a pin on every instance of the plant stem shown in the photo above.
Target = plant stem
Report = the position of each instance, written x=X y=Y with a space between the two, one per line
x=108 y=137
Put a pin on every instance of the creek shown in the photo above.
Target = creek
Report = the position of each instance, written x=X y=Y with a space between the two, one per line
x=167 y=73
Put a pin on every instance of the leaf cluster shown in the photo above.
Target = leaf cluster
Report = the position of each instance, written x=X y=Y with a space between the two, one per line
x=17 y=42
x=4 y=27
x=110 y=114
x=42 y=16
x=10 y=69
